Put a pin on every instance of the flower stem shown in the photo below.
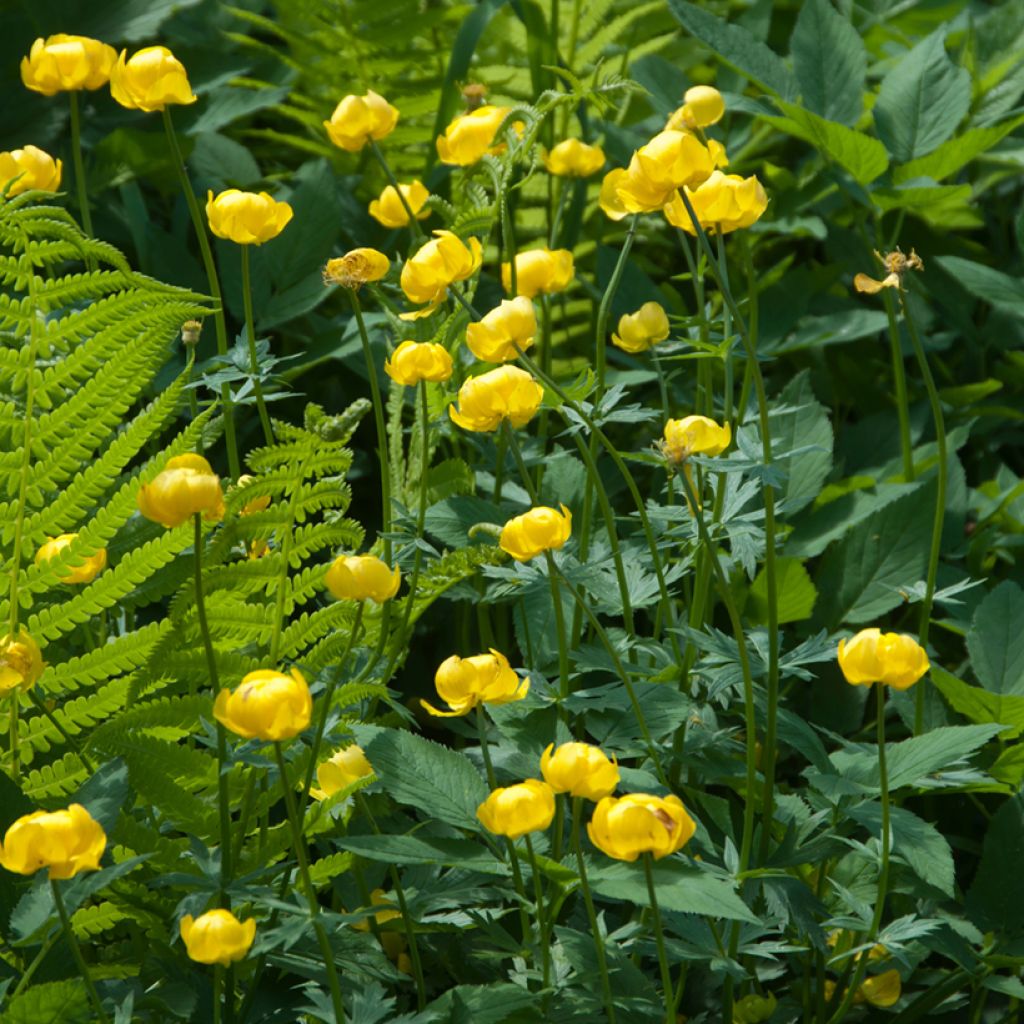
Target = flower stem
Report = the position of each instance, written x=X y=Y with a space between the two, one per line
x=543 y=945
x=76 y=156
x=254 y=359
x=414 y=225
x=900 y=381
x=485 y=752
x=517 y=881
x=76 y=952
x=218 y=984
x=659 y=938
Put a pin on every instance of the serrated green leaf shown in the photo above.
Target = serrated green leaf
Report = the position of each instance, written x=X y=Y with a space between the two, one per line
x=796 y=593
x=978 y=704
x=996 y=640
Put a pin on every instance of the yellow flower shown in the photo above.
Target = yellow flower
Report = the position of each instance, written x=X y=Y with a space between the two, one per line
x=362 y=578
x=21 y=663
x=187 y=487
x=63 y=63
x=893 y=659
x=670 y=161
x=579 y=769
x=694 y=435
x=414 y=361
x=438 y=263
x=882 y=991
x=507 y=327
x=85 y=572
x=258 y=504
x=357 y=119
x=515 y=810
x=624 y=827
x=540 y=270
x=32 y=167
x=66 y=842
x=896 y=264
x=393 y=942
x=724 y=202
x=608 y=199
x=340 y=770
x=641 y=330
x=248 y=218
x=573 y=159
x=356 y=267
x=505 y=393
x=463 y=683
x=267 y=705
x=470 y=135
x=389 y=210
x=541 y=529
x=702 y=106
x=152 y=79
x=753 y=1009
x=217 y=937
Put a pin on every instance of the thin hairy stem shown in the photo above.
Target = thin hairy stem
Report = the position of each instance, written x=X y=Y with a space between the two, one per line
x=254 y=359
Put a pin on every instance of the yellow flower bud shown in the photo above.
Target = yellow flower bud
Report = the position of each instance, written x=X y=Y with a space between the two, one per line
x=470 y=135
x=32 y=167
x=694 y=435
x=247 y=218
x=63 y=63
x=464 y=683
x=150 y=80
x=573 y=159
x=893 y=659
x=608 y=199
x=85 y=571
x=670 y=161
x=357 y=119
x=725 y=202
x=357 y=267
x=187 y=487
x=437 y=265
x=643 y=329
x=702 y=106
x=21 y=663
x=362 y=578
x=512 y=325
x=580 y=770
x=882 y=991
x=505 y=393
x=624 y=827
x=259 y=504
x=66 y=842
x=267 y=705
x=389 y=210
x=340 y=770
x=217 y=937
x=540 y=270
x=534 y=532
x=753 y=1009
x=414 y=361
x=515 y=810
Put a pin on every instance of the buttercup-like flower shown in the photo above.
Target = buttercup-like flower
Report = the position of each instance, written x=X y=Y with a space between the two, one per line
x=340 y=770
x=357 y=267
x=608 y=199
x=357 y=119
x=670 y=161
x=85 y=572
x=150 y=80
x=627 y=826
x=393 y=942
x=470 y=135
x=258 y=504
x=63 y=63
x=505 y=393
x=267 y=705
x=572 y=158
x=724 y=202
x=540 y=270
x=883 y=990
x=534 y=532
x=389 y=210
x=579 y=769
x=247 y=218
x=21 y=663
x=515 y=810
x=437 y=265
x=66 y=842
x=753 y=1009
x=643 y=329
x=893 y=659
x=463 y=683
x=509 y=326
x=217 y=937
x=187 y=487
x=702 y=106
x=414 y=361
x=362 y=578
x=896 y=264
x=33 y=168
x=694 y=435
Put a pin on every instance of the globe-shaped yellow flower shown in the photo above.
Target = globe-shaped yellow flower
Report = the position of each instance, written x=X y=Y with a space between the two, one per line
x=579 y=769
x=465 y=683
x=643 y=329
x=438 y=264
x=217 y=937
x=65 y=842
x=540 y=271
x=188 y=486
x=362 y=578
x=85 y=571
x=515 y=810
x=246 y=218
x=470 y=135
x=534 y=532
x=357 y=119
x=267 y=705
x=151 y=79
x=415 y=361
x=505 y=393
x=357 y=267
x=694 y=435
x=22 y=170
x=572 y=158
x=388 y=209
x=608 y=199
x=670 y=161
x=509 y=326
x=340 y=770
x=703 y=106
x=63 y=63
x=21 y=663
x=893 y=659
x=625 y=827
x=723 y=203
x=260 y=503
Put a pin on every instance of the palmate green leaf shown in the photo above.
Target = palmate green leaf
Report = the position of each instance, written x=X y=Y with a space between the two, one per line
x=956 y=153
x=995 y=899
x=996 y=640
x=800 y=421
x=978 y=704
x=796 y=593
x=1004 y=292
x=52 y=1002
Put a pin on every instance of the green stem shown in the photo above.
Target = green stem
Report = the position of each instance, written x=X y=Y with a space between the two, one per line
x=563 y=647
x=76 y=156
x=517 y=881
x=218 y=984
x=485 y=752
x=659 y=939
x=900 y=381
x=76 y=951
x=414 y=224
x=254 y=359
x=543 y=945
x=234 y=465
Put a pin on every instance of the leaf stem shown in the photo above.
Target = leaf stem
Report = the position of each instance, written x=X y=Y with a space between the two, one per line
x=76 y=951
x=254 y=359
x=76 y=156
x=543 y=945
x=659 y=939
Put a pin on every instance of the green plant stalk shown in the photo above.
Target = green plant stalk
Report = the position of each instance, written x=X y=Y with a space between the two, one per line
x=218 y=984
x=234 y=465
x=421 y=512
x=76 y=952
x=76 y=156
x=307 y=885
x=900 y=381
x=659 y=939
x=517 y=881
x=942 y=482
x=546 y=361
x=485 y=752
x=254 y=359
x=29 y=972
x=508 y=239
x=414 y=225
x=543 y=945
